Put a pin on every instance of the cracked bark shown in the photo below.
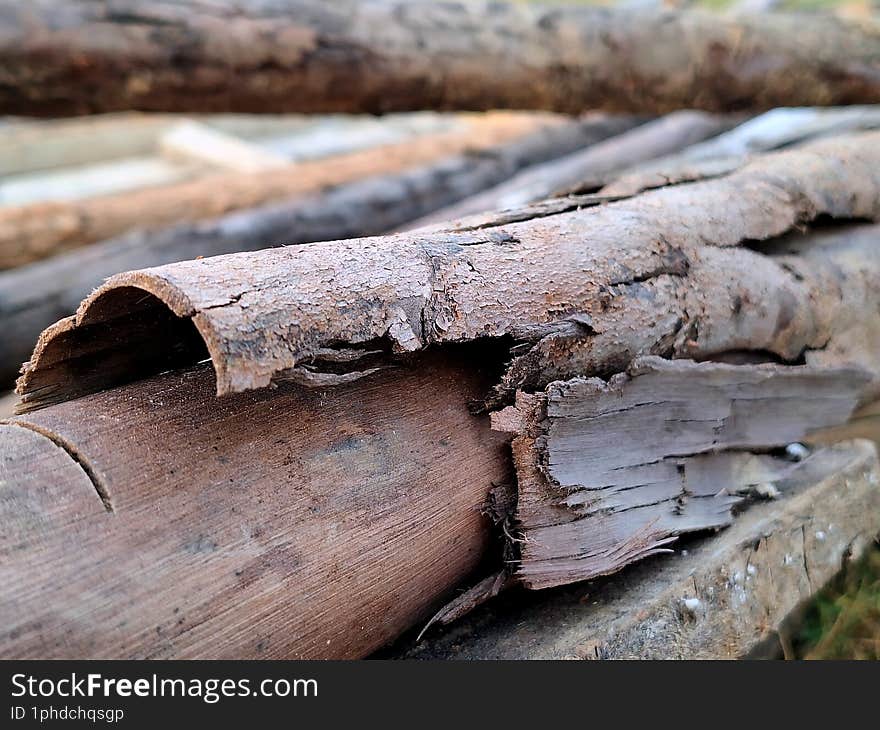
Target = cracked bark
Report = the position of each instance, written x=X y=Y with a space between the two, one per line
x=660 y=273
x=382 y=55
x=359 y=201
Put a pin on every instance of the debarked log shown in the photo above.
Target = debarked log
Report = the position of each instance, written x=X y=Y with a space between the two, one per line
x=576 y=291
x=157 y=521
x=383 y=55
x=363 y=203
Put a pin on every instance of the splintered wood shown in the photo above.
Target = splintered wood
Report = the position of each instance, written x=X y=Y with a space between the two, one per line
x=610 y=472
x=718 y=597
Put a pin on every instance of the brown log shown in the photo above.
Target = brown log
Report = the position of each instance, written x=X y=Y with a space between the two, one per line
x=588 y=169
x=35 y=296
x=38 y=230
x=583 y=291
x=157 y=521
x=383 y=55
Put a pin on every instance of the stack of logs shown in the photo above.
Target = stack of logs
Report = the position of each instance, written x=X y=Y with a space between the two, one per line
x=575 y=343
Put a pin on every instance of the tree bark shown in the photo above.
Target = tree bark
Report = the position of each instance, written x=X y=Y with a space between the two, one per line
x=590 y=168
x=383 y=55
x=155 y=521
x=588 y=508
x=583 y=290
x=663 y=152
x=33 y=297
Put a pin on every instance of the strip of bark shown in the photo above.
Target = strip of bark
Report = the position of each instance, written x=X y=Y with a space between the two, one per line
x=38 y=230
x=383 y=55
x=583 y=291
x=33 y=297
x=611 y=472
x=590 y=168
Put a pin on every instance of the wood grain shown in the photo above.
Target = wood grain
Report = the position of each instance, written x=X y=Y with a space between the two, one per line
x=158 y=521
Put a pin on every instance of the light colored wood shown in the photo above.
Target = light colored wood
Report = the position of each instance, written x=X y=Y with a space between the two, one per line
x=32 y=232
x=190 y=141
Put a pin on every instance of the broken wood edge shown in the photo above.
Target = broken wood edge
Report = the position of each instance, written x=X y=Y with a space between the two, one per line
x=577 y=519
x=717 y=597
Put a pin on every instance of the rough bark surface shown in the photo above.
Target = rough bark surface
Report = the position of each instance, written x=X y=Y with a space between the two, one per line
x=611 y=472
x=382 y=55
x=35 y=296
x=157 y=521
x=590 y=168
x=582 y=291
x=717 y=597
x=38 y=230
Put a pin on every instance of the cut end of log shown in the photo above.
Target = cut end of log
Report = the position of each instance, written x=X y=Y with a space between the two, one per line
x=134 y=326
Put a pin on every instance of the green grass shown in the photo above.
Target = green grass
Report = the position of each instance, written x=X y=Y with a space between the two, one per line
x=843 y=621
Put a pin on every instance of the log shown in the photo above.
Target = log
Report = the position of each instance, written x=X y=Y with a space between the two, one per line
x=579 y=291
x=384 y=55
x=39 y=230
x=730 y=150
x=155 y=521
x=727 y=596
x=35 y=296
x=587 y=508
x=590 y=168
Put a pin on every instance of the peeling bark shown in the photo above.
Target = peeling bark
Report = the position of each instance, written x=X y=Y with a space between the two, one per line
x=33 y=297
x=611 y=472
x=721 y=597
x=587 y=169
x=383 y=55
x=581 y=291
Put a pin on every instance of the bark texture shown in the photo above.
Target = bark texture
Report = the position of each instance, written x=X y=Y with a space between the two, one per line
x=721 y=597
x=39 y=230
x=382 y=55
x=156 y=521
x=612 y=472
x=35 y=296
x=580 y=291
x=590 y=168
